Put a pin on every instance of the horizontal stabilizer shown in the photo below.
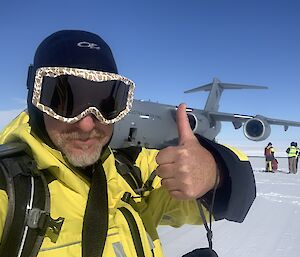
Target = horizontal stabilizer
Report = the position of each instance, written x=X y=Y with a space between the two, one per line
x=215 y=91
x=208 y=87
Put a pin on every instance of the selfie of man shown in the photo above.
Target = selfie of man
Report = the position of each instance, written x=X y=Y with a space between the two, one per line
x=64 y=191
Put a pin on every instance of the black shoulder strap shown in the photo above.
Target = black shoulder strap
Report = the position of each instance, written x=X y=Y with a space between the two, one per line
x=27 y=219
x=125 y=160
x=95 y=222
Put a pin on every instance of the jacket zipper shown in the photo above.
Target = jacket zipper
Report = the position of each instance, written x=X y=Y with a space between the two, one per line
x=134 y=231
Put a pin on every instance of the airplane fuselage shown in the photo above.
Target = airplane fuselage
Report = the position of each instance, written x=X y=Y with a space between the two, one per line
x=154 y=125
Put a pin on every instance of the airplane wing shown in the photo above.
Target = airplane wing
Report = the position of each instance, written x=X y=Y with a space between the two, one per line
x=256 y=127
x=231 y=117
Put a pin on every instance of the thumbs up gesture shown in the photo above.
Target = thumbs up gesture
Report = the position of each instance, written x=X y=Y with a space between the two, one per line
x=187 y=170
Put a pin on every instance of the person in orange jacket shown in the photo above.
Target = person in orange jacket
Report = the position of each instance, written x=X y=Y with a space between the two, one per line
x=270 y=158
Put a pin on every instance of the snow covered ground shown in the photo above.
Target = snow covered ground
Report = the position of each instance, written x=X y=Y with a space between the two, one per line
x=271 y=229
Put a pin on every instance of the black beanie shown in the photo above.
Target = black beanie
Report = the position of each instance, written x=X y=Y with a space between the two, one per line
x=75 y=49
x=67 y=48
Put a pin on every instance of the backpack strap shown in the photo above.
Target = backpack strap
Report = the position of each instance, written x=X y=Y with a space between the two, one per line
x=125 y=164
x=28 y=219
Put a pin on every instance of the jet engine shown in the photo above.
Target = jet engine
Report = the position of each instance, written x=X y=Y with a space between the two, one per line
x=193 y=121
x=191 y=117
x=257 y=129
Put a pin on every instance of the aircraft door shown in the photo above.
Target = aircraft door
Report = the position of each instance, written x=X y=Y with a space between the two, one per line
x=132 y=134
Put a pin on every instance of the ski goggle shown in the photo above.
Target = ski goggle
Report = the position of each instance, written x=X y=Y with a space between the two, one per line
x=69 y=94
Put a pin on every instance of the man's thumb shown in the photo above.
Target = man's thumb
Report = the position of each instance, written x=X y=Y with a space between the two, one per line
x=184 y=129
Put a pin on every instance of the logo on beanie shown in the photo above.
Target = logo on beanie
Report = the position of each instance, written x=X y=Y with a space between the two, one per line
x=88 y=45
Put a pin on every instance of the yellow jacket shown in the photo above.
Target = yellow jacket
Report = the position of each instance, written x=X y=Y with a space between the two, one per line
x=69 y=192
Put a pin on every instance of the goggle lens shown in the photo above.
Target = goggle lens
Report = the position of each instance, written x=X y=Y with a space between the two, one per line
x=69 y=98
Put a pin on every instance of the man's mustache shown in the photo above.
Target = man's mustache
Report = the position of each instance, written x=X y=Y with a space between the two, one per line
x=81 y=135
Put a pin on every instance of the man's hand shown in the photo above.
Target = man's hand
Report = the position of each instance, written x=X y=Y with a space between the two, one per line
x=188 y=170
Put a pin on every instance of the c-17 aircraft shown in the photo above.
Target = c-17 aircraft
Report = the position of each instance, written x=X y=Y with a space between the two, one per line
x=154 y=124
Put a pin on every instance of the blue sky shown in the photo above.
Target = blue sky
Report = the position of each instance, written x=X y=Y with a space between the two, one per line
x=167 y=47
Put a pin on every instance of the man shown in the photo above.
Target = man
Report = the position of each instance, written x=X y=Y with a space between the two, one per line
x=292 y=152
x=75 y=95
x=269 y=155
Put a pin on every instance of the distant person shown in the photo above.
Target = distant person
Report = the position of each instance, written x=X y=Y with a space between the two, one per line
x=292 y=152
x=297 y=156
x=270 y=158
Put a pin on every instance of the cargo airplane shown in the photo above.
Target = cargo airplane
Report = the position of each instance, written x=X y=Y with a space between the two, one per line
x=154 y=124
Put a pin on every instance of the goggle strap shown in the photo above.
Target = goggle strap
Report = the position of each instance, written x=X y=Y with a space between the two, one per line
x=30 y=77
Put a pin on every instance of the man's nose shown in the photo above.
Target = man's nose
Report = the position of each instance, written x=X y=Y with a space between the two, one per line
x=87 y=123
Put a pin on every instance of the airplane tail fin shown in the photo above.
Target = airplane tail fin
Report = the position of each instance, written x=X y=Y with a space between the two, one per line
x=216 y=88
